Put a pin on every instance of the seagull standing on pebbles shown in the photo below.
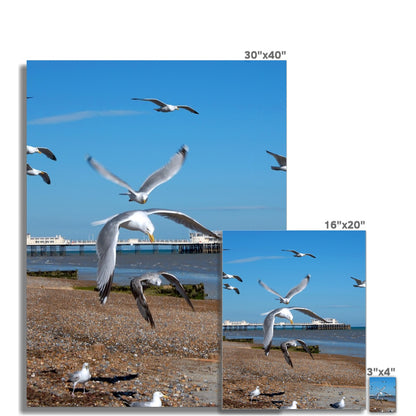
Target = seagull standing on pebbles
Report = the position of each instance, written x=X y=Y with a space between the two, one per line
x=338 y=405
x=292 y=406
x=155 y=402
x=254 y=393
x=166 y=108
x=81 y=376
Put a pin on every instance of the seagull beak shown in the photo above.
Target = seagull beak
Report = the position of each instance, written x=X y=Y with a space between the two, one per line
x=291 y=321
x=151 y=238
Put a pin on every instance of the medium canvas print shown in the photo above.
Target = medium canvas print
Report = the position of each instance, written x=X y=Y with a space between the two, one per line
x=134 y=168
x=293 y=317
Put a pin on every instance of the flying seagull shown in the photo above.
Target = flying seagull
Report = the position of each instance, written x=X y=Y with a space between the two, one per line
x=32 y=149
x=281 y=160
x=158 y=177
x=282 y=313
x=81 y=376
x=153 y=278
x=229 y=287
x=360 y=283
x=254 y=393
x=292 y=406
x=338 y=405
x=155 y=402
x=166 y=108
x=135 y=221
x=293 y=343
x=35 y=172
x=292 y=292
x=298 y=254
x=231 y=276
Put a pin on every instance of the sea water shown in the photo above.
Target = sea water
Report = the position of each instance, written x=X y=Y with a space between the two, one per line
x=189 y=268
x=349 y=342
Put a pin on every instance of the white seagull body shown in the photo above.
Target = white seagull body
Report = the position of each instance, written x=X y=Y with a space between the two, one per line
x=158 y=177
x=360 y=283
x=281 y=313
x=166 y=108
x=229 y=287
x=293 y=343
x=254 y=393
x=338 y=405
x=281 y=160
x=36 y=172
x=136 y=221
x=81 y=376
x=32 y=149
x=292 y=292
x=155 y=402
x=153 y=278
x=292 y=406
x=231 y=276
x=298 y=254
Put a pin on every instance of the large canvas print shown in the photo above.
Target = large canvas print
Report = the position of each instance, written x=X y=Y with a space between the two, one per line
x=134 y=168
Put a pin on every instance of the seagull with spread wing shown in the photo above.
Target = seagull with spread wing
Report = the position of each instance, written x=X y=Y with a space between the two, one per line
x=231 y=276
x=158 y=177
x=229 y=287
x=135 y=221
x=292 y=292
x=153 y=278
x=166 y=108
x=360 y=283
x=293 y=343
x=299 y=254
x=36 y=172
x=30 y=150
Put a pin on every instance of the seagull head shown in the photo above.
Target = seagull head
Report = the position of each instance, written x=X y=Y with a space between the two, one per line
x=158 y=394
x=85 y=366
x=285 y=313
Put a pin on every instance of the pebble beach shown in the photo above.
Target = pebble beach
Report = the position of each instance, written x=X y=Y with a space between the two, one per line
x=314 y=384
x=128 y=360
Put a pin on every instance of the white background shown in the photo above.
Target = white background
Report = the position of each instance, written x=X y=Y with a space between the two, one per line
x=351 y=129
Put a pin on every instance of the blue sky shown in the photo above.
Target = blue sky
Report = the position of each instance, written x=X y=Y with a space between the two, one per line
x=386 y=384
x=330 y=292
x=85 y=107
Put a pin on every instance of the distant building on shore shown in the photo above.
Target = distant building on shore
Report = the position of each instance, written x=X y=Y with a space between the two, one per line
x=58 y=239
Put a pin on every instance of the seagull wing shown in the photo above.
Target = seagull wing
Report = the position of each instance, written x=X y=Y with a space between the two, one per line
x=297 y=289
x=285 y=352
x=236 y=289
x=186 y=107
x=153 y=100
x=238 y=278
x=359 y=282
x=305 y=347
x=166 y=172
x=308 y=312
x=106 y=252
x=311 y=255
x=269 y=289
x=173 y=280
x=281 y=160
x=47 y=153
x=268 y=329
x=45 y=177
x=183 y=219
x=137 y=290
x=107 y=174
x=292 y=251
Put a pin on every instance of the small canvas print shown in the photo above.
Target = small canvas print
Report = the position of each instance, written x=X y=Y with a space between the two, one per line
x=133 y=169
x=382 y=392
x=293 y=317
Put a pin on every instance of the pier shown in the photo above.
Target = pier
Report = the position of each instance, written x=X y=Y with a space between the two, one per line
x=314 y=325
x=57 y=245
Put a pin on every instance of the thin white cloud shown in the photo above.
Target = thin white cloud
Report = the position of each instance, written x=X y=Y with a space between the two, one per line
x=256 y=258
x=82 y=115
x=235 y=208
